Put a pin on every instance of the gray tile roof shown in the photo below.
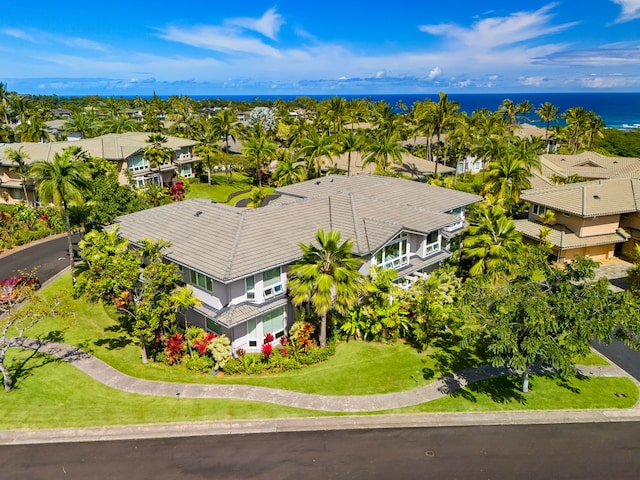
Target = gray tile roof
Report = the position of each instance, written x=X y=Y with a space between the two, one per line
x=587 y=199
x=564 y=238
x=591 y=165
x=110 y=147
x=229 y=243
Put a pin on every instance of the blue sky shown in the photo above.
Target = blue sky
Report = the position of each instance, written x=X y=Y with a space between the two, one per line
x=327 y=47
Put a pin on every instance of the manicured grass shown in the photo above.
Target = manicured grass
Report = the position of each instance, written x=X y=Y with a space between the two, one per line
x=219 y=190
x=52 y=394
x=593 y=359
x=545 y=393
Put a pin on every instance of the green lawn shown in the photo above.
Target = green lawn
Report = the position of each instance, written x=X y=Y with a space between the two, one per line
x=50 y=393
x=220 y=190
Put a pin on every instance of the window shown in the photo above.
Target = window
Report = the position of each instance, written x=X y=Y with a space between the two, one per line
x=250 y=286
x=272 y=283
x=252 y=334
x=273 y=322
x=201 y=280
x=395 y=254
x=432 y=243
x=213 y=326
x=538 y=210
x=185 y=171
x=137 y=163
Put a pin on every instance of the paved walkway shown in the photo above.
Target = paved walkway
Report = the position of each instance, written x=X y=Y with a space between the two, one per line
x=107 y=375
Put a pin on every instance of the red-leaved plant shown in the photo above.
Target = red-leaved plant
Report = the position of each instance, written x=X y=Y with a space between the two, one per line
x=267 y=350
x=174 y=348
x=268 y=338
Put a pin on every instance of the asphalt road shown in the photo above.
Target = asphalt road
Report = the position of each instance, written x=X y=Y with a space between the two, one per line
x=48 y=258
x=621 y=355
x=585 y=451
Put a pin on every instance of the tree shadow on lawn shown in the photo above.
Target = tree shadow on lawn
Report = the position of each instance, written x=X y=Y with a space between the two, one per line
x=500 y=390
x=115 y=343
x=449 y=357
x=22 y=369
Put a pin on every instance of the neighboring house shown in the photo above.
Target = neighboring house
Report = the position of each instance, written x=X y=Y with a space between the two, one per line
x=126 y=150
x=586 y=165
x=594 y=219
x=237 y=259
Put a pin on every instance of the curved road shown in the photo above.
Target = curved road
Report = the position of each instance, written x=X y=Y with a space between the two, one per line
x=46 y=257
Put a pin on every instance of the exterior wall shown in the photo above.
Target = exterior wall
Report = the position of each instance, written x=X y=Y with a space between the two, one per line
x=599 y=225
x=628 y=247
x=598 y=252
x=630 y=220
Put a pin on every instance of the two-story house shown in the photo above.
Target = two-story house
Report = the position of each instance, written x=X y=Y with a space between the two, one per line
x=125 y=150
x=237 y=259
x=594 y=219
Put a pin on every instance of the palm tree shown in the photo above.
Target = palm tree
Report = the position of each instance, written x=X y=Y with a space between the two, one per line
x=288 y=171
x=19 y=157
x=62 y=182
x=156 y=153
x=257 y=196
x=226 y=124
x=84 y=123
x=33 y=129
x=315 y=147
x=425 y=123
x=208 y=148
x=327 y=277
x=182 y=299
x=444 y=118
x=548 y=113
x=183 y=108
x=119 y=124
x=350 y=141
x=5 y=99
x=259 y=151
x=383 y=151
x=491 y=243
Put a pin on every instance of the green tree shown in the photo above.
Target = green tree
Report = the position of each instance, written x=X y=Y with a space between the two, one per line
x=548 y=113
x=19 y=157
x=383 y=151
x=491 y=243
x=157 y=153
x=288 y=171
x=315 y=147
x=259 y=151
x=326 y=277
x=63 y=182
x=549 y=320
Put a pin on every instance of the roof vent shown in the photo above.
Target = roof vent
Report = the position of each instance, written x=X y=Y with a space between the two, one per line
x=318 y=182
x=597 y=197
x=562 y=159
x=615 y=161
x=198 y=213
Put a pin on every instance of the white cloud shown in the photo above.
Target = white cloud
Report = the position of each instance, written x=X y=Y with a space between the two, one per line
x=19 y=34
x=268 y=25
x=435 y=72
x=609 y=81
x=499 y=32
x=218 y=39
x=532 y=81
x=630 y=10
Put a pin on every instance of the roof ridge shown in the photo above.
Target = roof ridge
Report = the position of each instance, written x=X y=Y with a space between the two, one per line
x=354 y=217
x=234 y=247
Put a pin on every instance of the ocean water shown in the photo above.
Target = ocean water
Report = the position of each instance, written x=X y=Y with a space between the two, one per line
x=618 y=110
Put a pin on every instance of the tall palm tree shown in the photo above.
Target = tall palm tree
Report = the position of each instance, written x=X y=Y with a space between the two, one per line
x=20 y=157
x=491 y=242
x=5 y=99
x=226 y=123
x=208 y=148
x=289 y=170
x=184 y=113
x=85 y=123
x=63 y=182
x=259 y=151
x=119 y=124
x=327 y=277
x=444 y=118
x=548 y=113
x=350 y=141
x=157 y=153
x=315 y=147
x=33 y=129
x=383 y=151
x=425 y=122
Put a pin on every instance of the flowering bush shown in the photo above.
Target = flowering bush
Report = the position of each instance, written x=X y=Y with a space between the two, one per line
x=267 y=350
x=174 y=349
x=268 y=338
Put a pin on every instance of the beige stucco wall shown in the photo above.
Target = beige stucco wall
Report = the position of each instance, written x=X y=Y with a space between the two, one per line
x=631 y=220
x=599 y=225
x=598 y=252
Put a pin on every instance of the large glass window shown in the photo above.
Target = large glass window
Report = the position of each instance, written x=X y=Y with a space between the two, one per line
x=201 y=280
x=432 y=243
x=395 y=254
x=252 y=333
x=250 y=287
x=272 y=283
x=273 y=322
x=538 y=210
x=213 y=326
x=137 y=163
